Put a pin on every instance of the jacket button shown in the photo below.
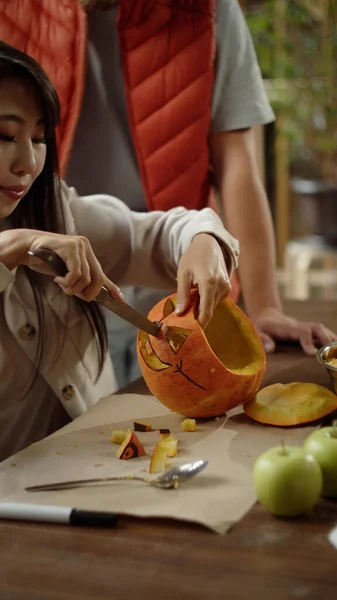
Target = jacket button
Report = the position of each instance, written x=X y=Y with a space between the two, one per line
x=68 y=392
x=27 y=332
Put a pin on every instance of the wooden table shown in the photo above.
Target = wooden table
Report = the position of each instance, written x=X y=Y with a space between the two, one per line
x=261 y=558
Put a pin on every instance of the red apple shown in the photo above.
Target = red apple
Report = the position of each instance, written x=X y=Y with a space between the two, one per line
x=287 y=481
x=322 y=444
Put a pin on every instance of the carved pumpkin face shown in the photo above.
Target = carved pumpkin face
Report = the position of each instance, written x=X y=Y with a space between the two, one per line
x=201 y=373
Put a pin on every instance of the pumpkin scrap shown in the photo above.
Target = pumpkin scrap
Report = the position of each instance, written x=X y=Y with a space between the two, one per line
x=171 y=444
x=332 y=362
x=189 y=425
x=164 y=433
x=131 y=447
x=158 y=459
x=118 y=436
x=286 y=405
x=199 y=373
x=140 y=426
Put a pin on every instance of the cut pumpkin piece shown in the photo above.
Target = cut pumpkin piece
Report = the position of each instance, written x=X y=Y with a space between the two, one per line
x=158 y=460
x=286 y=405
x=332 y=362
x=164 y=433
x=118 y=436
x=141 y=426
x=131 y=447
x=171 y=444
x=189 y=425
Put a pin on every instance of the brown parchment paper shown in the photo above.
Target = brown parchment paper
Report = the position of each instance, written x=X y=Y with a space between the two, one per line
x=216 y=498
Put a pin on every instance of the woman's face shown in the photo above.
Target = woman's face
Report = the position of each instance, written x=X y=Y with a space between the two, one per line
x=22 y=143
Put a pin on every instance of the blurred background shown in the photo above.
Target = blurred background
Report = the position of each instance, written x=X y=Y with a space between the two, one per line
x=296 y=43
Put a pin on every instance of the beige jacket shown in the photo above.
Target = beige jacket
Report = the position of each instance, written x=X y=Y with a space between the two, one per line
x=141 y=249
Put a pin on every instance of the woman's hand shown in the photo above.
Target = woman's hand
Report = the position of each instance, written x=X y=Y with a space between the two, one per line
x=203 y=266
x=85 y=276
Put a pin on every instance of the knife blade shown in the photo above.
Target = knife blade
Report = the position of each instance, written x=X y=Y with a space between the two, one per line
x=119 y=308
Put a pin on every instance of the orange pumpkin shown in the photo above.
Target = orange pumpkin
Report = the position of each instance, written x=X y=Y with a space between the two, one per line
x=201 y=373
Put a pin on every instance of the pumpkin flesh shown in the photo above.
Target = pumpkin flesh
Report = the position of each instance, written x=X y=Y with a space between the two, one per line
x=287 y=405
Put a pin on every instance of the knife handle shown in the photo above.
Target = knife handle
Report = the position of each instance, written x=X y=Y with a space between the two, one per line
x=52 y=259
x=121 y=309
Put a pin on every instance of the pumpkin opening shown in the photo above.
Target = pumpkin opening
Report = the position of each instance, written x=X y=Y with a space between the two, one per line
x=148 y=354
x=169 y=307
x=176 y=336
x=242 y=353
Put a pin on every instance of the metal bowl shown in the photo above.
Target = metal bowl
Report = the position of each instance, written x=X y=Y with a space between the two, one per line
x=325 y=354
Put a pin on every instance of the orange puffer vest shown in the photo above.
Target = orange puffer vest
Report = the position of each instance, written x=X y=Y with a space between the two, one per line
x=167 y=50
x=54 y=32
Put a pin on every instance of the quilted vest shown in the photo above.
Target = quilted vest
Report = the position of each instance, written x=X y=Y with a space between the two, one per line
x=54 y=33
x=167 y=51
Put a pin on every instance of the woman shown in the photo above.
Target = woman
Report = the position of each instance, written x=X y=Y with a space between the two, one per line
x=53 y=348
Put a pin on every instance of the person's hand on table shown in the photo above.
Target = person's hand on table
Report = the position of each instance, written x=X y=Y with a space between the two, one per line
x=203 y=266
x=274 y=325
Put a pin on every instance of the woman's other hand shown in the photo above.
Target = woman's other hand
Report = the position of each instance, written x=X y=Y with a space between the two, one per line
x=203 y=266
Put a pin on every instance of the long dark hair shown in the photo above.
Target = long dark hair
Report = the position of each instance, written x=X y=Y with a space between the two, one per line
x=41 y=208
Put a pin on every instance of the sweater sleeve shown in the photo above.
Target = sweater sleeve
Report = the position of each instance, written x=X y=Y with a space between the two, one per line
x=143 y=249
x=6 y=277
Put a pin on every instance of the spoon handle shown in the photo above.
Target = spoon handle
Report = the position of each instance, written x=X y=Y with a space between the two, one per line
x=63 y=485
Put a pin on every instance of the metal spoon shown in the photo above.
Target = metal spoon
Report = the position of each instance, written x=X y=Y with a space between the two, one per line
x=170 y=479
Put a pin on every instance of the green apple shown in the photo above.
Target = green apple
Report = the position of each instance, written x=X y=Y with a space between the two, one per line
x=287 y=481
x=322 y=444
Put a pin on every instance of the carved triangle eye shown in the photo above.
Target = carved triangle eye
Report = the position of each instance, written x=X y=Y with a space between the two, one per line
x=176 y=337
x=169 y=307
x=148 y=354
